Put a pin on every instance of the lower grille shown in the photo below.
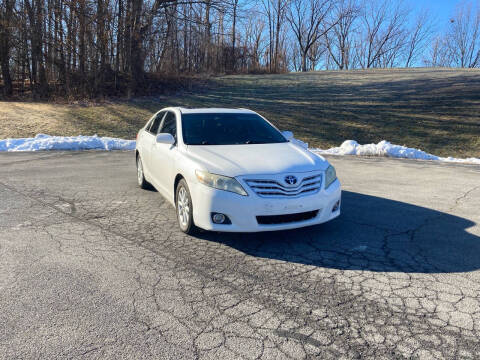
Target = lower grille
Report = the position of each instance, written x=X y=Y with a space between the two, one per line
x=287 y=218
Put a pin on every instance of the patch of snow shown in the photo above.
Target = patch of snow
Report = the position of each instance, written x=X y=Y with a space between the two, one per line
x=47 y=142
x=348 y=147
x=385 y=148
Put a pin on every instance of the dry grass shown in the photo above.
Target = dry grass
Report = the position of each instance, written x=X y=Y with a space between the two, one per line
x=437 y=110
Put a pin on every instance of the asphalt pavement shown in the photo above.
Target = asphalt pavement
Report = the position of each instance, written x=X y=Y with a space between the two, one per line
x=91 y=266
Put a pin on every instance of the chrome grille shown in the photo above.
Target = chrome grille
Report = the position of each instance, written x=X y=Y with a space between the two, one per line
x=273 y=188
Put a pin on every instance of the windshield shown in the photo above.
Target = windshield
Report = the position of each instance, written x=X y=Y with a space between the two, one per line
x=228 y=129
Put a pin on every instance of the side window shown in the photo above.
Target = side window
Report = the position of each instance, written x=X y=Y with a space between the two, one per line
x=149 y=124
x=170 y=124
x=156 y=123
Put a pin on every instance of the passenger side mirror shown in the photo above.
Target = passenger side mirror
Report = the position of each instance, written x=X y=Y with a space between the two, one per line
x=165 y=138
x=287 y=135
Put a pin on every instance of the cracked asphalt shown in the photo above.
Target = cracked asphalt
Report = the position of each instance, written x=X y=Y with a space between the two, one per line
x=91 y=266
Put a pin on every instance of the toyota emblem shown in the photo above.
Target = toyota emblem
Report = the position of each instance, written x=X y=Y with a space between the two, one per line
x=290 y=180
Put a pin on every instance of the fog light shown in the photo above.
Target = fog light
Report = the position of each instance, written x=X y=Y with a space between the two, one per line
x=336 y=206
x=218 y=218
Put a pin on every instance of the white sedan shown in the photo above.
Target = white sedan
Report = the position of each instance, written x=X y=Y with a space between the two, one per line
x=232 y=170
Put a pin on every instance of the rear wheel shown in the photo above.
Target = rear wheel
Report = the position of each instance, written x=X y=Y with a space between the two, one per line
x=184 y=208
x=140 y=175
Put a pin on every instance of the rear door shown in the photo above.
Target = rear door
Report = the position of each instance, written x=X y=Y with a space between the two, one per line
x=163 y=156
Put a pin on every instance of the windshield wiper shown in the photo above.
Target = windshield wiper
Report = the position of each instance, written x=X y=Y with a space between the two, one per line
x=250 y=142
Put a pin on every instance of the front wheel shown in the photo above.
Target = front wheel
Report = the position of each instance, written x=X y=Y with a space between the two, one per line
x=184 y=208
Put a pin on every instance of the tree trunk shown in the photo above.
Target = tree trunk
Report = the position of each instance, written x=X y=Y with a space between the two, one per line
x=234 y=34
x=120 y=30
x=277 y=34
x=304 y=61
x=5 y=44
x=35 y=14
x=136 y=49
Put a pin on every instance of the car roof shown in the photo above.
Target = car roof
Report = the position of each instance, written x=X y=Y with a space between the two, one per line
x=184 y=110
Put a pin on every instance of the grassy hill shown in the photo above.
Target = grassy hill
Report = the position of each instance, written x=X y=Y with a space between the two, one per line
x=437 y=110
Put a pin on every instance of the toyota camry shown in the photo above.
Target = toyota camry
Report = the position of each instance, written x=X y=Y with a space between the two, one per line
x=232 y=170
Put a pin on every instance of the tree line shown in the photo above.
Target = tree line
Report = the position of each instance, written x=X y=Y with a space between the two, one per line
x=119 y=47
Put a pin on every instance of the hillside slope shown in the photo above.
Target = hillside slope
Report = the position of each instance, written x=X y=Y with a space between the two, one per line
x=437 y=110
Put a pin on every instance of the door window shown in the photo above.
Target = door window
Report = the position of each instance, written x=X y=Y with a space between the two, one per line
x=149 y=124
x=170 y=124
x=156 y=123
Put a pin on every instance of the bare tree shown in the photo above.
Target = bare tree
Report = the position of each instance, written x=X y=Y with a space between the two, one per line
x=464 y=37
x=339 y=41
x=315 y=53
x=6 y=13
x=418 y=37
x=438 y=53
x=308 y=20
x=101 y=47
x=35 y=12
x=234 y=6
x=382 y=33
x=254 y=39
x=275 y=11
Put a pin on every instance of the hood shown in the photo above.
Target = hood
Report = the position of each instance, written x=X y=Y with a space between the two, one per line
x=236 y=160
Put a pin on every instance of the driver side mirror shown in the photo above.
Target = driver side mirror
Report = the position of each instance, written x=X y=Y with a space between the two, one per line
x=165 y=138
x=287 y=135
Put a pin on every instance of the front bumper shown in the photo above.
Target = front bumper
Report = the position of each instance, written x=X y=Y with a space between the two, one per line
x=243 y=210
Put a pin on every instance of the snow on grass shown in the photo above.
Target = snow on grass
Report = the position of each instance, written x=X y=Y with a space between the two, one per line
x=47 y=142
x=349 y=147
x=384 y=148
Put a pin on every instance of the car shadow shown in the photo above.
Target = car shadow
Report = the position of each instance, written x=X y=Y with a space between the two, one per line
x=373 y=234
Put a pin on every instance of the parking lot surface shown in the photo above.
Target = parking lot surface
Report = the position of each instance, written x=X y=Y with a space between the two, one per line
x=91 y=266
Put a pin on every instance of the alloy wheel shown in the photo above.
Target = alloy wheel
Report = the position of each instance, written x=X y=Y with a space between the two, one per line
x=183 y=207
x=139 y=172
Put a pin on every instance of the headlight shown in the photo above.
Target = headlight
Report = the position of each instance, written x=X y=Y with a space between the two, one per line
x=220 y=182
x=330 y=176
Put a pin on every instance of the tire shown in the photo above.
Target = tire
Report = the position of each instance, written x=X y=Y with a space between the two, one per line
x=144 y=184
x=184 y=208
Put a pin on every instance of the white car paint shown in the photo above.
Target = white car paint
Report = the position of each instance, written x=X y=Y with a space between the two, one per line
x=164 y=164
x=239 y=160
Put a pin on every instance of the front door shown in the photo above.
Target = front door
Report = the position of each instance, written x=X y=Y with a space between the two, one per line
x=148 y=140
x=163 y=157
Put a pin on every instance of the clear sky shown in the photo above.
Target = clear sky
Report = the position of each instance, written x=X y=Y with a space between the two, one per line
x=443 y=10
